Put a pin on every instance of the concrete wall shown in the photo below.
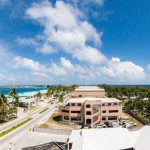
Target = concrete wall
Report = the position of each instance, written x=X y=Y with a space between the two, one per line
x=96 y=94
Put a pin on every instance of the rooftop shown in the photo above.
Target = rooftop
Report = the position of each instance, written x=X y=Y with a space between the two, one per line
x=89 y=88
x=110 y=139
x=82 y=100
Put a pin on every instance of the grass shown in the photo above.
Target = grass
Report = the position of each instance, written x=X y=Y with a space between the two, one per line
x=43 y=110
x=132 y=119
x=14 y=127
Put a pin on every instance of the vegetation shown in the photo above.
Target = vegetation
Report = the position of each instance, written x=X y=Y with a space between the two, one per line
x=59 y=91
x=6 y=108
x=14 y=127
x=15 y=97
x=136 y=99
x=43 y=110
x=128 y=92
x=131 y=119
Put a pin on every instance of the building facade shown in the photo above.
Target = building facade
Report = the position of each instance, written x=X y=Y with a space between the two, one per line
x=88 y=91
x=91 y=110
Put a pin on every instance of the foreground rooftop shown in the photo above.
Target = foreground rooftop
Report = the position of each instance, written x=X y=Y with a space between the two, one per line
x=110 y=139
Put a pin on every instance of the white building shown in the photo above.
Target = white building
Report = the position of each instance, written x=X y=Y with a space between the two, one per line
x=110 y=139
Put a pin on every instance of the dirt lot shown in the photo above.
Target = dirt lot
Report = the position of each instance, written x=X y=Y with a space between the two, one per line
x=56 y=123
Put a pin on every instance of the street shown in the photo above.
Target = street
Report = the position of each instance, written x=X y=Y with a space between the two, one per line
x=37 y=119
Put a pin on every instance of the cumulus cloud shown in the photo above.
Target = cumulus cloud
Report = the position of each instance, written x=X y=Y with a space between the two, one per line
x=113 y=71
x=70 y=35
x=123 y=71
x=74 y=36
x=34 y=66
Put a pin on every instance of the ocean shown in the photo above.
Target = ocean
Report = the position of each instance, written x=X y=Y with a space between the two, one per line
x=21 y=90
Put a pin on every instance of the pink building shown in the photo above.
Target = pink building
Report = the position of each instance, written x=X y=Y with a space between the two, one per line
x=89 y=91
x=91 y=110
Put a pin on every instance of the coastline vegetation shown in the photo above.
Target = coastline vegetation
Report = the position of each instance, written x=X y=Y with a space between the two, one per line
x=59 y=91
x=6 y=109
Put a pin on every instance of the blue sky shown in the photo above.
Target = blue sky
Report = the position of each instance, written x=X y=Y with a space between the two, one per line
x=67 y=42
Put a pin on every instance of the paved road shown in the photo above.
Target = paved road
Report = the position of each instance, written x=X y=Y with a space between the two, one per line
x=37 y=119
x=19 y=120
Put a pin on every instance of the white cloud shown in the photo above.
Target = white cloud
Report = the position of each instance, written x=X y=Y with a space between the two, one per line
x=26 y=41
x=70 y=35
x=123 y=71
x=27 y=63
x=84 y=2
x=148 y=67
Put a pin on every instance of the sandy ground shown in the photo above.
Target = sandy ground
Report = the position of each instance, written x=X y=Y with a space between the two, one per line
x=58 y=124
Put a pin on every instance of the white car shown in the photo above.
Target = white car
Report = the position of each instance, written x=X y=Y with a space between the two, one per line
x=130 y=124
x=101 y=126
x=115 y=124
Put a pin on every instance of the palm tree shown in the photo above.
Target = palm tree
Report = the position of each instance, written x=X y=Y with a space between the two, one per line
x=15 y=97
x=3 y=107
x=61 y=97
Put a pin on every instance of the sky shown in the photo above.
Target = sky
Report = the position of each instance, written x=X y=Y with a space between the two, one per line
x=74 y=42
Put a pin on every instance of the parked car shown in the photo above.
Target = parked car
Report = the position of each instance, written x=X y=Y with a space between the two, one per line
x=108 y=124
x=101 y=126
x=115 y=124
x=130 y=124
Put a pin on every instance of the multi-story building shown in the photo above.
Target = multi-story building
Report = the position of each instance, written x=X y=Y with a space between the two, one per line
x=89 y=91
x=91 y=110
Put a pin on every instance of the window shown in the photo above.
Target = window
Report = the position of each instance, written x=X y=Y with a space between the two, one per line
x=75 y=119
x=103 y=118
x=115 y=103
x=66 y=118
x=109 y=104
x=104 y=104
x=112 y=118
x=88 y=106
x=75 y=111
x=67 y=111
x=113 y=111
x=80 y=95
x=79 y=104
x=88 y=113
x=104 y=111
x=88 y=121
x=72 y=104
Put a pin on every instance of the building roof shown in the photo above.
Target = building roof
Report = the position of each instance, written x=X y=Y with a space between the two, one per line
x=110 y=139
x=89 y=88
x=82 y=100
x=142 y=142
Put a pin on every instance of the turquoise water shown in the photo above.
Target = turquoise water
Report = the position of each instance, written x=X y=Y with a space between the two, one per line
x=23 y=92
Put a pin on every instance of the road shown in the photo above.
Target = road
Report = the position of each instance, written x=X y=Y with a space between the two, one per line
x=37 y=119
x=19 y=120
